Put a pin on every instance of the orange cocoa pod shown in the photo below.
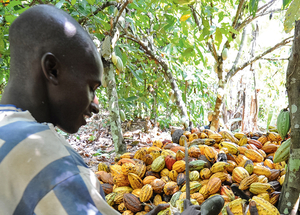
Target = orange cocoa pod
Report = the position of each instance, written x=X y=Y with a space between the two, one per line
x=270 y=148
x=255 y=142
x=253 y=155
x=148 y=179
x=246 y=182
x=213 y=185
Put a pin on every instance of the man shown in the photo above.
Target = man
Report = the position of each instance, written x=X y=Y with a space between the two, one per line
x=55 y=70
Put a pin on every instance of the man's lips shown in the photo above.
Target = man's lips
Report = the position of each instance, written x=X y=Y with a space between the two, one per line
x=86 y=116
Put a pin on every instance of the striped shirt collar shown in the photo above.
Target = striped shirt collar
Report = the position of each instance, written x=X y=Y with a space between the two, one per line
x=10 y=108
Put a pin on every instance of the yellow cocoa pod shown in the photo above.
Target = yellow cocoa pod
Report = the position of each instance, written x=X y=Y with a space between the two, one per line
x=232 y=147
x=262 y=179
x=281 y=180
x=136 y=192
x=121 y=207
x=140 y=168
x=262 y=170
x=164 y=172
x=103 y=167
x=205 y=173
x=194 y=187
x=194 y=175
x=157 y=143
x=146 y=193
x=219 y=167
x=157 y=199
x=243 y=141
x=239 y=135
x=179 y=166
x=173 y=175
x=264 y=196
x=128 y=168
x=198 y=197
x=155 y=154
x=257 y=188
x=239 y=173
x=135 y=181
x=246 y=182
x=264 y=206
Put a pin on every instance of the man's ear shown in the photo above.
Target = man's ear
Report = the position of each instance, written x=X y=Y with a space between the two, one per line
x=50 y=67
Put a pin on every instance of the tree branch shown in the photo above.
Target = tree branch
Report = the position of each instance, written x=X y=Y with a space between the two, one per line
x=251 y=18
x=238 y=12
x=147 y=50
x=101 y=8
x=120 y=13
x=273 y=59
x=238 y=56
x=252 y=60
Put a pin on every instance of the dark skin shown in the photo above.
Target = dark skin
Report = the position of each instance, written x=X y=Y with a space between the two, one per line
x=55 y=70
x=54 y=77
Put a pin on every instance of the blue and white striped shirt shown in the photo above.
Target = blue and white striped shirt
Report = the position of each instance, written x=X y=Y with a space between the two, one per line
x=40 y=173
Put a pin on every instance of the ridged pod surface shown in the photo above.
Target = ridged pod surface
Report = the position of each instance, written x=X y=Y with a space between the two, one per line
x=179 y=166
x=146 y=193
x=257 y=188
x=264 y=207
x=283 y=123
x=158 y=164
x=135 y=181
x=246 y=182
x=254 y=155
x=239 y=173
x=132 y=203
x=158 y=185
x=213 y=185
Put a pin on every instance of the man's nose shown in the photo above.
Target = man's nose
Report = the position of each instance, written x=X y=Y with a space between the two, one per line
x=95 y=105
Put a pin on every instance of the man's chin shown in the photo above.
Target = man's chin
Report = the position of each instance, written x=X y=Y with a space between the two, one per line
x=69 y=130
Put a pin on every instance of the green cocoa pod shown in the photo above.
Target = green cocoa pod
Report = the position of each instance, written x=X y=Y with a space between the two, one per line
x=283 y=123
x=122 y=115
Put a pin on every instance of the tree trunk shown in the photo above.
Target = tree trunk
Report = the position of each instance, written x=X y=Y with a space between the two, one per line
x=215 y=119
x=254 y=105
x=113 y=107
x=178 y=96
x=291 y=189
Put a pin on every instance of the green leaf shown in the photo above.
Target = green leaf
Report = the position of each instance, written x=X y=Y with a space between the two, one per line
x=138 y=74
x=73 y=2
x=91 y=2
x=10 y=18
x=2 y=44
x=285 y=3
x=13 y=3
x=92 y=138
x=131 y=98
x=60 y=4
x=218 y=37
x=270 y=115
x=253 y=4
x=291 y=15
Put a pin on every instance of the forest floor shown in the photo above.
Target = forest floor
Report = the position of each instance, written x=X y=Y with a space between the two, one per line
x=95 y=138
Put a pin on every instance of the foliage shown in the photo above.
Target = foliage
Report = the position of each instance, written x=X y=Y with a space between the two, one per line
x=173 y=34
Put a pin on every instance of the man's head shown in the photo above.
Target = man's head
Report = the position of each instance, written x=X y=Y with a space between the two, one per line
x=56 y=65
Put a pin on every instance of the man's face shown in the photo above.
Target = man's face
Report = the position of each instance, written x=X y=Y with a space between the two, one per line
x=75 y=97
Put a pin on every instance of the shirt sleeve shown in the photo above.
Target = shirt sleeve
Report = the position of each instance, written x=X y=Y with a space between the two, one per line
x=79 y=194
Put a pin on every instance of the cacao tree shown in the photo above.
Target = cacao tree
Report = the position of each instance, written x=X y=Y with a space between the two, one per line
x=290 y=190
x=244 y=14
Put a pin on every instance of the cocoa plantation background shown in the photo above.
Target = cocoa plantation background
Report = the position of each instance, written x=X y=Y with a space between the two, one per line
x=170 y=63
